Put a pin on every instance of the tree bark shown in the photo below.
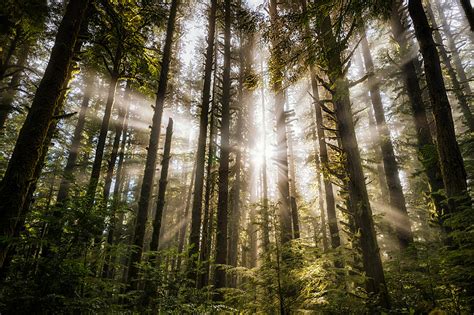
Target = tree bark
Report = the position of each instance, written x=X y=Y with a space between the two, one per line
x=396 y=196
x=196 y=213
x=324 y=166
x=319 y=174
x=182 y=230
x=67 y=177
x=358 y=196
x=160 y=203
x=457 y=87
x=451 y=162
x=235 y=214
x=282 y=145
x=30 y=141
x=6 y=102
x=147 y=185
x=204 y=253
x=294 y=206
x=265 y=205
x=119 y=125
x=120 y=133
x=469 y=11
x=104 y=128
x=423 y=133
x=463 y=80
x=223 y=196
x=378 y=152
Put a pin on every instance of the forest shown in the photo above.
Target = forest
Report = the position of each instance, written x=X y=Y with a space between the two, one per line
x=236 y=157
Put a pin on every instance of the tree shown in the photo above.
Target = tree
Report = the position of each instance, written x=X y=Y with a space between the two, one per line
x=459 y=89
x=282 y=145
x=418 y=108
x=201 y=149
x=358 y=199
x=76 y=140
x=160 y=202
x=223 y=184
x=451 y=162
x=469 y=11
x=149 y=173
x=397 y=199
x=30 y=141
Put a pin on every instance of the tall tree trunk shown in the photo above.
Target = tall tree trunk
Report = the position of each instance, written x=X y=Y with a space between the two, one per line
x=10 y=51
x=322 y=161
x=6 y=102
x=30 y=141
x=456 y=84
x=160 y=203
x=324 y=166
x=265 y=206
x=282 y=145
x=358 y=196
x=319 y=174
x=466 y=92
x=76 y=140
x=204 y=253
x=378 y=152
x=294 y=206
x=104 y=128
x=223 y=196
x=469 y=11
x=201 y=148
x=375 y=143
x=412 y=86
x=235 y=214
x=182 y=230
x=147 y=185
x=452 y=165
x=396 y=197
x=119 y=125
x=110 y=261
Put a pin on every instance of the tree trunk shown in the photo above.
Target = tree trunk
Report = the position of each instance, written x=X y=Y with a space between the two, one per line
x=196 y=213
x=294 y=206
x=160 y=203
x=147 y=185
x=104 y=128
x=182 y=230
x=10 y=52
x=204 y=253
x=458 y=88
x=396 y=197
x=423 y=133
x=452 y=165
x=324 y=166
x=265 y=206
x=467 y=7
x=235 y=214
x=120 y=133
x=282 y=145
x=223 y=196
x=67 y=177
x=465 y=92
x=6 y=102
x=319 y=174
x=109 y=263
x=30 y=141
x=119 y=125
x=375 y=143
x=378 y=152
x=358 y=196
